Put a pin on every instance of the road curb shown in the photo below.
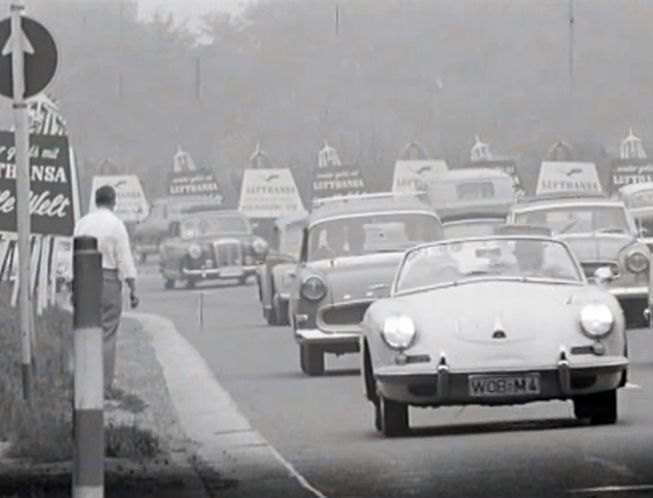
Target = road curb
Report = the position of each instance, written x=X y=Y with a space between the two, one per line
x=221 y=437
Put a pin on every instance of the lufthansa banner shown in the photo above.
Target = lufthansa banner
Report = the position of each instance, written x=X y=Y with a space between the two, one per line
x=198 y=182
x=52 y=196
x=508 y=166
x=335 y=180
x=131 y=205
x=627 y=171
x=415 y=174
x=269 y=193
x=568 y=176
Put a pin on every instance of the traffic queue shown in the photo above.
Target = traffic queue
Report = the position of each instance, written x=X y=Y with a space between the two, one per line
x=454 y=287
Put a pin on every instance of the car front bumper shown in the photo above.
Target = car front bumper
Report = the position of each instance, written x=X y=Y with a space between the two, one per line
x=440 y=385
x=635 y=292
x=219 y=273
x=335 y=342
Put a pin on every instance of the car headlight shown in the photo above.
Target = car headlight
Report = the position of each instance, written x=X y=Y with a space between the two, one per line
x=313 y=288
x=259 y=245
x=399 y=331
x=637 y=261
x=596 y=320
x=195 y=251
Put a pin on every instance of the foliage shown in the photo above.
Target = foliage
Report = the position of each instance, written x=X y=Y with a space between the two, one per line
x=387 y=72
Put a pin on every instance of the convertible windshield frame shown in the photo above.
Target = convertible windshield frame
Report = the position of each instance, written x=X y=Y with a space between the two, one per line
x=580 y=281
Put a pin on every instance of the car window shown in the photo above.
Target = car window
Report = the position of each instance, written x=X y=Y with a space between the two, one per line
x=578 y=219
x=641 y=199
x=366 y=234
x=202 y=226
x=475 y=190
x=519 y=258
x=291 y=240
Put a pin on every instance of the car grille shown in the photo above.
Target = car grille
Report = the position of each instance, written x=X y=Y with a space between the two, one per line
x=345 y=314
x=589 y=267
x=228 y=253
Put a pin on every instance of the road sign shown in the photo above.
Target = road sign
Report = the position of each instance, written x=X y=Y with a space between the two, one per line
x=40 y=54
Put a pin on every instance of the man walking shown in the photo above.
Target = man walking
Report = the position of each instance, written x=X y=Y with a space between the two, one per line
x=117 y=266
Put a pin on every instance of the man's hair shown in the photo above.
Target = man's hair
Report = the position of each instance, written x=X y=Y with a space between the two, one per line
x=105 y=196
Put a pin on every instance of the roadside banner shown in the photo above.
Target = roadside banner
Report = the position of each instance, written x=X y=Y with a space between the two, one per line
x=627 y=171
x=414 y=175
x=187 y=179
x=131 y=205
x=52 y=196
x=332 y=178
x=567 y=176
x=269 y=193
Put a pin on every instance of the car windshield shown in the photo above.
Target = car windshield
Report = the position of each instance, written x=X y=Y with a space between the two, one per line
x=366 y=234
x=512 y=258
x=471 y=228
x=578 y=219
x=202 y=226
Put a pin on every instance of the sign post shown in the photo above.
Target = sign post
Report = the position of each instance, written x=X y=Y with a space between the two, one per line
x=17 y=46
x=28 y=60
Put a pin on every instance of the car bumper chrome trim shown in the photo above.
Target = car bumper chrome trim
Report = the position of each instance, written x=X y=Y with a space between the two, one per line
x=217 y=272
x=628 y=291
x=307 y=335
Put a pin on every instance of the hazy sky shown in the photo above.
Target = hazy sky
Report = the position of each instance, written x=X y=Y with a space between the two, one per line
x=188 y=9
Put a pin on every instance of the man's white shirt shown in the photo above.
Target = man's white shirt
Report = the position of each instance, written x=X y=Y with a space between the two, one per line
x=113 y=240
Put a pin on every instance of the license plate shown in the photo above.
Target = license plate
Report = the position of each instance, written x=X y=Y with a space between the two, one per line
x=231 y=272
x=486 y=386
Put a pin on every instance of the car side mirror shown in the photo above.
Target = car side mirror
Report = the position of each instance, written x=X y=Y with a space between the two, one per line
x=603 y=275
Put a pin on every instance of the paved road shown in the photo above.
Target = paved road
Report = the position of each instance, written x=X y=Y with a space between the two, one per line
x=323 y=426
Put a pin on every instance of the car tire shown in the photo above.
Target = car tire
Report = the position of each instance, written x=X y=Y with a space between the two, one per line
x=169 y=283
x=599 y=408
x=378 y=425
x=281 y=312
x=311 y=360
x=271 y=316
x=394 y=417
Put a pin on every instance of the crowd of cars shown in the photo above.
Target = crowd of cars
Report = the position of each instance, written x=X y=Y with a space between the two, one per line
x=462 y=293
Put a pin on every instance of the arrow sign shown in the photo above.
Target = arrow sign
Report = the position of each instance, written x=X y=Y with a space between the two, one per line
x=41 y=57
x=9 y=46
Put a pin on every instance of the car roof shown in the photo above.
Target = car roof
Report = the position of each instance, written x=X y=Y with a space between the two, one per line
x=465 y=209
x=354 y=205
x=216 y=212
x=470 y=173
x=538 y=202
x=634 y=188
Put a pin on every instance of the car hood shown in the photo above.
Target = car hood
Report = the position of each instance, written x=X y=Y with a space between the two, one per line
x=358 y=277
x=459 y=321
x=597 y=247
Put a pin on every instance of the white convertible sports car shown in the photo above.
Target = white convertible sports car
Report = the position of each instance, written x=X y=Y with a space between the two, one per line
x=496 y=320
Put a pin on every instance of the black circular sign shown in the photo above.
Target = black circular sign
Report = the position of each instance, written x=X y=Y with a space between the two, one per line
x=40 y=57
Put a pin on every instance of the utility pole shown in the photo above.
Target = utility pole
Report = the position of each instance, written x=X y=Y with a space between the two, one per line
x=572 y=21
x=19 y=44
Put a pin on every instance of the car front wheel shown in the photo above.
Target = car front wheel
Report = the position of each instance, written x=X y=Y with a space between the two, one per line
x=599 y=408
x=311 y=360
x=392 y=417
x=169 y=283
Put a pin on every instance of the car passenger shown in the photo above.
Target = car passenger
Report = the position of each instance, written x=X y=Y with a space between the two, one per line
x=335 y=243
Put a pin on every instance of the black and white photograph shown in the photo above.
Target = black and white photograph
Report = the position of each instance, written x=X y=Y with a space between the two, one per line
x=326 y=248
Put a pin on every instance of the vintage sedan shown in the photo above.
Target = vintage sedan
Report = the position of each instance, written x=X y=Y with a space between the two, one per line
x=210 y=245
x=638 y=198
x=494 y=320
x=350 y=250
x=149 y=233
x=601 y=232
x=275 y=276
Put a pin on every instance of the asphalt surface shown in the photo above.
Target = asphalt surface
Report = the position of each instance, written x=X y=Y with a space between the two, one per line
x=324 y=426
